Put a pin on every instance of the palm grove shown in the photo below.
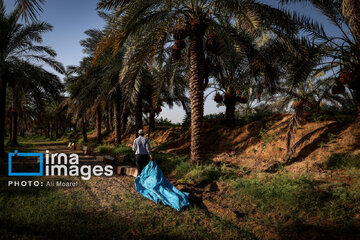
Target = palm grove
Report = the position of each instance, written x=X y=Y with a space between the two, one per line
x=153 y=53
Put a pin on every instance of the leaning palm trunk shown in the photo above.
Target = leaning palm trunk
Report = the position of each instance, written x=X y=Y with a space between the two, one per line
x=197 y=60
x=117 y=121
x=295 y=121
x=98 y=124
x=138 y=114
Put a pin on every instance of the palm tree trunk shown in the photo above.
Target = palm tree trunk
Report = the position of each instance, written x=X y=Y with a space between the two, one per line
x=124 y=118
x=85 y=140
x=98 y=124
x=14 y=130
x=51 y=128
x=111 y=114
x=230 y=112
x=14 y=117
x=107 y=119
x=196 y=84
x=151 y=115
x=138 y=114
x=186 y=109
x=56 y=129
x=48 y=129
x=2 y=116
x=22 y=132
x=357 y=120
x=117 y=120
x=10 y=128
x=151 y=121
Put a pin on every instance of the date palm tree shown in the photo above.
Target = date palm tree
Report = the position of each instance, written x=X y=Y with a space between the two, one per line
x=344 y=49
x=18 y=43
x=36 y=84
x=191 y=20
x=29 y=9
x=101 y=89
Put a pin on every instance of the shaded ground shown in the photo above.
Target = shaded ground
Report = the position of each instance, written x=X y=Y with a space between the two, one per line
x=100 y=208
x=232 y=198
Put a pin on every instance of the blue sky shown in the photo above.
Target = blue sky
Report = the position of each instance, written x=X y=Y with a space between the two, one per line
x=70 y=18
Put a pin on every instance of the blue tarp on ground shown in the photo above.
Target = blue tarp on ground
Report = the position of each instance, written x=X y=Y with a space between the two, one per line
x=152 y=184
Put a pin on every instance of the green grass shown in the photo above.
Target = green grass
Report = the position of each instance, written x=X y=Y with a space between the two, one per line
x=201 y=175
x=169 y=163
x=161 y=222
x=299 y=199
x=30 y=143
x=51 y=213
x=112 y=150
x=342 y=161
x=272 y=201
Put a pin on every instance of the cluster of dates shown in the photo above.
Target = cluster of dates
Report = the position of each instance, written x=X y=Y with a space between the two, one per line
x=231 y=96
x=348 y=78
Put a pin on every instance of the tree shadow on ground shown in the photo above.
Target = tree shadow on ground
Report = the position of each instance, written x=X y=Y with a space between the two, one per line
x=300 y=231
x=100 y=225
x=356 y=134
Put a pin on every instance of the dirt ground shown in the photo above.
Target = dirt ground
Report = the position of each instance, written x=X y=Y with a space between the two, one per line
x=236 y=148
x=256 y=146
x=261 y=144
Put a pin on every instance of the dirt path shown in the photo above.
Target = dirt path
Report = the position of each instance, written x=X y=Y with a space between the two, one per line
x=103 y=190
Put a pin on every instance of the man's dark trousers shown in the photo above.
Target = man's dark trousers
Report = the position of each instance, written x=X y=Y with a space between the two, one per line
x=141 y=161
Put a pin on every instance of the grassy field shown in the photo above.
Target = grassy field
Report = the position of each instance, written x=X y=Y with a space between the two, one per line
x=247 y=205
x=80 y=213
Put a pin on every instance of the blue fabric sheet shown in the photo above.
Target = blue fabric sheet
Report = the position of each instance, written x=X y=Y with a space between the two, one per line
x=152 y=184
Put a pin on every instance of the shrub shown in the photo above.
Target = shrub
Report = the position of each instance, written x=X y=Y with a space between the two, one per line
x=342 y=160
x=299 y=198
x=205 y=174
x=164 y=122
x=104 y=149
x=111 y=150
x=169 y=163
x=123 y=150
x=214 y=116
x=182 y=169
x=280 y=190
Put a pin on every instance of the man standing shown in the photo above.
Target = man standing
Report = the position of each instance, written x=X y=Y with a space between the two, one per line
x=141 y=147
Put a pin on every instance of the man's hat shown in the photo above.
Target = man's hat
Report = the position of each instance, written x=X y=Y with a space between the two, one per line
x=141 y=132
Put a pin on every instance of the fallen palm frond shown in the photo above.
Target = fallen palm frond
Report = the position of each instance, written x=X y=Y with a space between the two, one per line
x=290 y=138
